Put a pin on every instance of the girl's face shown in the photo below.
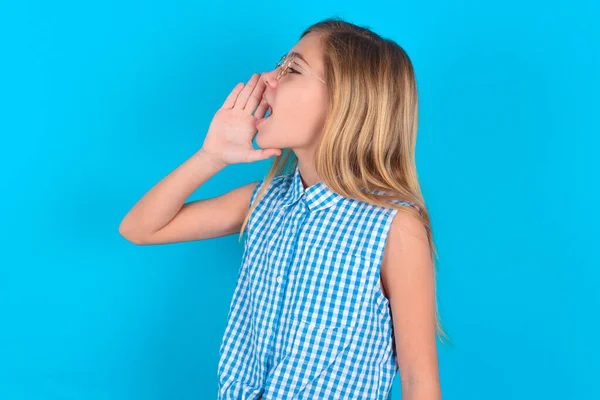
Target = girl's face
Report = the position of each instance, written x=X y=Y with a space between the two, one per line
x=298 y=100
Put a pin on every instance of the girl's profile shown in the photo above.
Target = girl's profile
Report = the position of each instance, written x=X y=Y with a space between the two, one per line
x=336 y=288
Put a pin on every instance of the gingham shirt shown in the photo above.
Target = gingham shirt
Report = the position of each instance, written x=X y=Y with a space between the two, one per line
x=308 y=319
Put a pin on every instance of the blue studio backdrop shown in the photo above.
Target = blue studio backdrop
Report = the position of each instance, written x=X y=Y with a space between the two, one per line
x=100 y=100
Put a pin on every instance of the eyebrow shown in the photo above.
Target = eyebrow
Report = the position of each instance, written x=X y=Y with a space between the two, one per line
x=300 y=57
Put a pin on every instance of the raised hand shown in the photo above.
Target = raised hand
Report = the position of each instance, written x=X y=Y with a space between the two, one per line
x=232 y=129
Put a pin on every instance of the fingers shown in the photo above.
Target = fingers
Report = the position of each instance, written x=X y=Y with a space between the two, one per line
x=230 y=100
x=261 y=110
x=242 y=98
x=248 y=96
x=256 y=95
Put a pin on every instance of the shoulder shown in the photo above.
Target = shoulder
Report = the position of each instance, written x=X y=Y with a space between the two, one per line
x=276 y=189
x=399 y=202
x=407 y=227
x=407 y=245
x=268 y=200
x=406 y=263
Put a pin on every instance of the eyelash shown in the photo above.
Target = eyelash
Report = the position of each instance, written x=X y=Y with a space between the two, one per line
x=293 y=71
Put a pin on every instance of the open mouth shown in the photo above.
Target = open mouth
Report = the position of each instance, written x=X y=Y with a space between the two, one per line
x=267 y=114
x=270 y=108
x=269 y=111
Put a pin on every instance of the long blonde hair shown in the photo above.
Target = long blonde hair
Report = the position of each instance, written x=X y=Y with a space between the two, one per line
x=370 y=132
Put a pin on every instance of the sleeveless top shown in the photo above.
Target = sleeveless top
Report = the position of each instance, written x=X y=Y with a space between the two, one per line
x=308 y=319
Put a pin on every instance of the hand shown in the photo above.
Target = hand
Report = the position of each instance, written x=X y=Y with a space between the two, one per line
x=232 y=130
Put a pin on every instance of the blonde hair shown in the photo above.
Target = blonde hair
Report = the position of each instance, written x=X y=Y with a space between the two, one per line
x=369 y=136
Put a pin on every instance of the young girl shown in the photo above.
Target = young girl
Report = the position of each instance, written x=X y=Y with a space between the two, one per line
x=328 y=259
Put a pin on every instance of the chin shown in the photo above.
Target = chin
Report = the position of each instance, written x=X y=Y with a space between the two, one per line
x=264 y=142
x=260 y=139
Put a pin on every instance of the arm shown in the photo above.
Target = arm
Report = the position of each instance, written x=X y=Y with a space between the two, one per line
x=161 y=216
x=407 y=275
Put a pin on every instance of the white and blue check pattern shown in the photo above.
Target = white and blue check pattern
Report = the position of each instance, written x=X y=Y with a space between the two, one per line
x=308 y=319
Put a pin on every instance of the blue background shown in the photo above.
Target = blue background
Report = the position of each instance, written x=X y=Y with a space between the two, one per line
x=100 y=100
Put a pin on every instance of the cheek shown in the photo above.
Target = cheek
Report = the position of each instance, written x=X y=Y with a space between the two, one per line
x=304 y=122
x=306 y=111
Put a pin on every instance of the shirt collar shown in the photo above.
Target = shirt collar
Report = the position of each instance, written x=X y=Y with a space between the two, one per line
x=316 y=197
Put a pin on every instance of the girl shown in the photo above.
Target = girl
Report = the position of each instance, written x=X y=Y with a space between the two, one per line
x=328 y=258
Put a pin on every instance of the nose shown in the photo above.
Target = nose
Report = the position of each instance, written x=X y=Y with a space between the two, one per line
x=269 y=77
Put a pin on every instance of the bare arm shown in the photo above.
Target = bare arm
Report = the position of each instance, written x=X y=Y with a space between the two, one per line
x=407 y=274
x=161 y=216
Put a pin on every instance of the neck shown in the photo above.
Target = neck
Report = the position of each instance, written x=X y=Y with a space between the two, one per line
x=308 y=174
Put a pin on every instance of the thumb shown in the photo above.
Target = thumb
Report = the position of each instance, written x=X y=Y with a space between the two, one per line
x=263 y=154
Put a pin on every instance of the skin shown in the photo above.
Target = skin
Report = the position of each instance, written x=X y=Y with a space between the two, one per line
x=407 y=274
x=299 y=103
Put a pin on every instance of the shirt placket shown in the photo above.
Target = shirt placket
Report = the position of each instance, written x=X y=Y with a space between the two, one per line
x=280 y=272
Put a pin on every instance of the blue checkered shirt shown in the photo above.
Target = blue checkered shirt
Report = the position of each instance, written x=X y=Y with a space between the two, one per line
x=308 y=319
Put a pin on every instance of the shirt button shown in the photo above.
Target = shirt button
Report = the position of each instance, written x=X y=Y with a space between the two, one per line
x=279 y=279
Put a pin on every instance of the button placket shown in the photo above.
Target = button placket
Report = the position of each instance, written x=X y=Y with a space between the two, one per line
x=299 y=217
